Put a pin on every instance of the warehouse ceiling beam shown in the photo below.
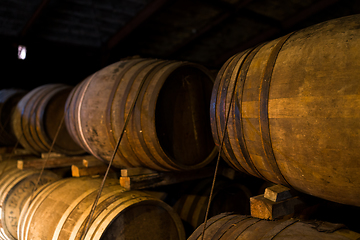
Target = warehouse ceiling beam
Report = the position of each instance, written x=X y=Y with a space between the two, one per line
x=33 y=18
x=215 y=22
x=142 y=16
x=271 y=32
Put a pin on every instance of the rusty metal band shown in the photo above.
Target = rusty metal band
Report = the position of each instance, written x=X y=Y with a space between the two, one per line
x=122 y=115
x=231 y=224
x=137 y=114
x=264 y=114
x=223 y=88
x=278 y=229
x=214 y=98
x=238 y=109
x=213 y=110
x=108 y=124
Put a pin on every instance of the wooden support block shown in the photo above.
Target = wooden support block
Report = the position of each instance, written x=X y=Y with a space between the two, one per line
x=37 y=163
x=277 y=193
x=52 y=155
x=264 y=208
x=142 y=179
x=80 y=171
x=92 y=161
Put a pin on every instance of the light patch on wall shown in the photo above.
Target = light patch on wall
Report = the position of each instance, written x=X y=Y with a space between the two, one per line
x=21 y=52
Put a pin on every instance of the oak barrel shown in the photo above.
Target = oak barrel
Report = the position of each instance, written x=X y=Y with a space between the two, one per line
x=16 y=186
x=8 y=100
x=227 y=196
x=295 y=116
x=227 y=226
x=61 y=209
x=37 y=117
x=169 y=128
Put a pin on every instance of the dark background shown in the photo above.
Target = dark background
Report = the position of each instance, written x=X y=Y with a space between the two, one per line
x=68 y=40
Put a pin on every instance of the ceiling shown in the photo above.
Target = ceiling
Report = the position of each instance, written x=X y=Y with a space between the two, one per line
x=70 y=39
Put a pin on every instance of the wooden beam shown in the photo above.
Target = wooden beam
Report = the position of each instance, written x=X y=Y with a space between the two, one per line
x=54 y=162
x=215 y=22
x=143 y=15
x=92 y=162
x=270 y=33
x=277 y=193
x=33 y=18
x=145 y=178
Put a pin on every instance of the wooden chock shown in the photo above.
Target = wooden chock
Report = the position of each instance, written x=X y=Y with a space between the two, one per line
x=277 y=193
x=264 y=208
x=277 y=201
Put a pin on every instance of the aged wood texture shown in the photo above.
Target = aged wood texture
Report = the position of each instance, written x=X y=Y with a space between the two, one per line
x=8 y=100
x=61 y=209
x=169 y=127
x=37 y=118
x=16 y=187
x=295 y=118
x=227 y=196
x=240 y=227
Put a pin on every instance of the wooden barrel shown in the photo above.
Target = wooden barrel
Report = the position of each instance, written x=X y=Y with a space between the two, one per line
x=60 y=211
x=232 y=226
x=16 y=186
x=170 y=126
x=37 y=118
x=227 y=196
x=294 y=119
x=8 y=100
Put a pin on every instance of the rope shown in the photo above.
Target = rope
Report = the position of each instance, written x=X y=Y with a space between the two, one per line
x=221 y=147
x=47 y=158
x=112 y=159
x=217 y=163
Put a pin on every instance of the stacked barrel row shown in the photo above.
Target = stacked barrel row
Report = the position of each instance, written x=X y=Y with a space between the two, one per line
x=168 y=129
x=60 y=209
